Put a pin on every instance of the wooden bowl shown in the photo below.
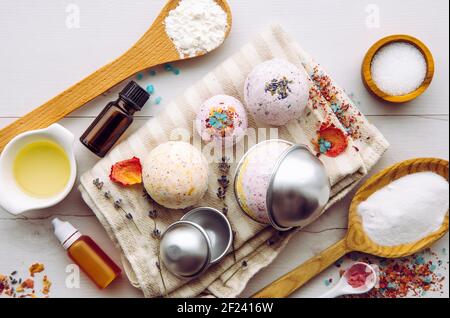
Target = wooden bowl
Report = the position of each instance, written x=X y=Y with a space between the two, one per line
x=367 y=64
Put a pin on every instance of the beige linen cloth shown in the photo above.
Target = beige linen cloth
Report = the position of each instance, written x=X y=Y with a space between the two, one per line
x=255 y=245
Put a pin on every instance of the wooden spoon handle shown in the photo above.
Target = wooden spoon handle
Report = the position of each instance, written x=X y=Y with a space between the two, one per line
x=286 y=285
x=73 y=98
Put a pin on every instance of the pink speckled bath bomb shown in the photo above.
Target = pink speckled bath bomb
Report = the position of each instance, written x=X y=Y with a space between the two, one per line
x=253 y=179
x=277 y=92
x=222 y=119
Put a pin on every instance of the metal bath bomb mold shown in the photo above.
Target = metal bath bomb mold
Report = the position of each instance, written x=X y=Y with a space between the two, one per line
x=297 y=191
x=200 y=239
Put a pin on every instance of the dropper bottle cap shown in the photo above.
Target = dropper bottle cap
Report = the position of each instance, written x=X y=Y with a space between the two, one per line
x=66 y=233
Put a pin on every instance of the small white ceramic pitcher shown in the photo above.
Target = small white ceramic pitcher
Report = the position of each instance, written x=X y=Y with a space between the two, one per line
x=12 y=198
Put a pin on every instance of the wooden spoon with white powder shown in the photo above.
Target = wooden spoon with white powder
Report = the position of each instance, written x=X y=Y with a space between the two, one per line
x=169 y=39
x=380 y=187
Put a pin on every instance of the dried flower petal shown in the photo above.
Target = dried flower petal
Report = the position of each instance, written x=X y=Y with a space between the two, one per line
x=36 y=268
x=127 y=172
x=334 y=141
x=26 y=284
x=46 y=284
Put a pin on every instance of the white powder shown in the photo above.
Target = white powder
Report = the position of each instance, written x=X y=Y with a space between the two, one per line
x=196 y=26
x=406 y=210
x=398 y=68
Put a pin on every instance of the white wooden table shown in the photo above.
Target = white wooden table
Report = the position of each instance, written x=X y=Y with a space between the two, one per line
x=41 y=55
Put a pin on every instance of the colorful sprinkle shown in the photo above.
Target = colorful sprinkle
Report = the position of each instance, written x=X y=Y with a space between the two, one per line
x=14 y=286
x=419 y=260
x=324 y=88
x=140 y=76
x=152 y=73
x=176 y=71
x=168 y=67
x=150 y=89
x=410 y=276
x=221 y=119
x=158 y=100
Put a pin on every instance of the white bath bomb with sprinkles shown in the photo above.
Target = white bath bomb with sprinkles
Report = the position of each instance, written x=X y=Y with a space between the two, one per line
x=222 y=119
x=175 y=175
x=276 y=92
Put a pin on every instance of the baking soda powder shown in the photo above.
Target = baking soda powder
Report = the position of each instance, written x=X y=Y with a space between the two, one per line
x=406 y=210
x=196 y=26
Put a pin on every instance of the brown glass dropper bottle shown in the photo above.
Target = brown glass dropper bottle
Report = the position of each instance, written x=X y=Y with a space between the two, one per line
x=115 y=118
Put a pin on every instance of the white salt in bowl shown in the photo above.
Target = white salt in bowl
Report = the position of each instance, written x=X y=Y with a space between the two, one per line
x=370 y=79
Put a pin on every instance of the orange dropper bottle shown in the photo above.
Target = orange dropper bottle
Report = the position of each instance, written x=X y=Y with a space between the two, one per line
x=86 y=254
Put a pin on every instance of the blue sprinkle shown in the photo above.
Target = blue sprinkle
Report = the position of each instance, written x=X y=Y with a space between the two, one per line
x=392 y=286
x=420 y=260
x=328 y=144
x=158 y=100
x=326 y=282
x=150 y=89
x=427 y=280
x=168 y=67
x=176 y=71
x=444 y=251
x=152 y=72
x=433 y=267
x=140 y=76
x=335 y=108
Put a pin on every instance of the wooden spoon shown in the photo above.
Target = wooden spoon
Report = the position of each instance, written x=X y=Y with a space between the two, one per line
x=356 y=239
x=154 y=48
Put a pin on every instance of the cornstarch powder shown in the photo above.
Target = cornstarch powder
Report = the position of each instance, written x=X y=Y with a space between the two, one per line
x=196 y=26
x=399 y=68
x=406 y=210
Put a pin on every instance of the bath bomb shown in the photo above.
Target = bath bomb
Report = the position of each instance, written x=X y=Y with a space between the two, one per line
x=222 y=119
x=253 y=178
x=276 y=92
x=175 y=175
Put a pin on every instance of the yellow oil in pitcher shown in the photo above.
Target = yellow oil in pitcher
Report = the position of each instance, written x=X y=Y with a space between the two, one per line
x=42 y=169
